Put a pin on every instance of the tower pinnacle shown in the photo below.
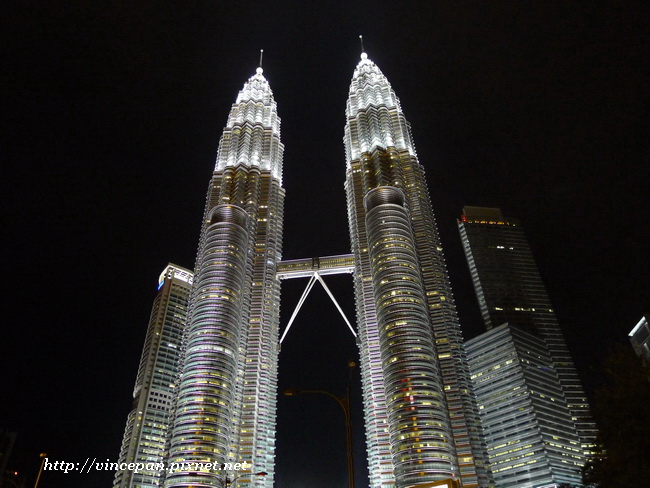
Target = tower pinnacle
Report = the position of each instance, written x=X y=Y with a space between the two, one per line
x=252 y=134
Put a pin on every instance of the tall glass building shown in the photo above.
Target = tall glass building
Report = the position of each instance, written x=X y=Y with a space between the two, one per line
x=148 y=422
x=510 y=290
x=532 y=440
x=226 y=404
x=422 y=424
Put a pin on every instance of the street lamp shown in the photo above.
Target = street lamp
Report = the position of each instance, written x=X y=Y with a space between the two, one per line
x=344 y=403
x=225 y=483
x=40 y=471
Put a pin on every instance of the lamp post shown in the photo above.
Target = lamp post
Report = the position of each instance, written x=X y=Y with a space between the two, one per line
x=40 y=471
x=225 y=483
x=344 y=403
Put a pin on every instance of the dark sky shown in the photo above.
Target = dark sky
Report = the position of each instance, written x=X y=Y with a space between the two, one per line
x=112 y=113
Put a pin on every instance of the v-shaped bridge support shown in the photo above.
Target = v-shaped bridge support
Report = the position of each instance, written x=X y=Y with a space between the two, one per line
x=314 y=268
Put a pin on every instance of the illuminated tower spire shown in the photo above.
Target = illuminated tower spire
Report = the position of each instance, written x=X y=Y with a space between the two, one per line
x=226 y=404
x=421 y=419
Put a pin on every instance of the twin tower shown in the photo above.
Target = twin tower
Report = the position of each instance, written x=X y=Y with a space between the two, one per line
x=421 y=420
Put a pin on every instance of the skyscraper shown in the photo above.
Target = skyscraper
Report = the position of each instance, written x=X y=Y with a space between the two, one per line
x=532 y=440
x=226 y=404
x=510 y=290
x=148 y=423
x=422 y=424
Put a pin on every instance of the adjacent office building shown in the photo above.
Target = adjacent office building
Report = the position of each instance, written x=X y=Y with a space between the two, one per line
x=640 y=339
x=510 y=291
x=532 y=440
x=147 y=424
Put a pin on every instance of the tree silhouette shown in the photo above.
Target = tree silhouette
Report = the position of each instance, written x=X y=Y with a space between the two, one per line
x=622 y=412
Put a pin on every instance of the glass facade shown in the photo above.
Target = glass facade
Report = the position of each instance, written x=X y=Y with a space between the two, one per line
x=148 y=423
x=532 y=440
x=422 y=422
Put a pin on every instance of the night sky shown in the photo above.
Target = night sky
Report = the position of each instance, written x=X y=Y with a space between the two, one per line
x=112 y=113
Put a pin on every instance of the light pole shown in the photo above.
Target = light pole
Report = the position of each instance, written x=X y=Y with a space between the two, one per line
x=344 y=403
x=40 y=471
x=225 y=483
